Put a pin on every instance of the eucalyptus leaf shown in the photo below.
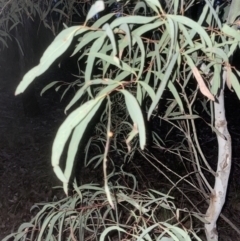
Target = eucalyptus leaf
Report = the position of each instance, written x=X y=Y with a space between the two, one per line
x=76 y=139
x=65 y=131
x=136 y=115
x=55 y=49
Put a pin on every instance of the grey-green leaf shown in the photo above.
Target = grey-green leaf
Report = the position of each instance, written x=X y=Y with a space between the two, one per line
x=136 y=115
x=56 y=49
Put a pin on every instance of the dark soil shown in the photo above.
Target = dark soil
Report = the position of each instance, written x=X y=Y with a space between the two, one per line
x=26 y=175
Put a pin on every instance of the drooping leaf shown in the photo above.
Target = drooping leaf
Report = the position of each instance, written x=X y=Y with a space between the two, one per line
x=234 y=12
x=110 y=34
x=91 y=58
x=102 y=20
x=132 y=19
x=148 y=89
x=83 y=89
x=109 y=89
x=127 y=39
x=219 y=52
x=55 y=49
x=172 y=28
x=76 y=139
x=193 y=25
x=110 y=229
x=154 y=5
x=163 y=83
x=176 y=95
x=47 y=87
x=115 y=61
x=147 y=27
x=142 y=54
x=230 y=32
x=65 y=131
x=139 y=94
x=140 y=5
x=136 y=115
x=86 y=39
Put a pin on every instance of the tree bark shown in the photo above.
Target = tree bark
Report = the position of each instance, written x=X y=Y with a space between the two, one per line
x=218 y=195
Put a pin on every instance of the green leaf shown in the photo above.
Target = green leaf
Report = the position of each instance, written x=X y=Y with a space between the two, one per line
x=139 y=94
x=146 y=231
x=170 y=109
x=172 y=28
x=83 y=89
x=231 y=32
x=47 y=87
x=110 y=229
x=135 y=113
x=213 y=13
x=122 y=76
x=234 y=11
x=44 y=226
x=25 y=226
x=76 y=139
x=132 y=19
x=109 y=89
x=176 y=95
x=102 y=20
x=110 y=34
x=86 y=39
x=154 y=5
x=163 y=83
x=186 y=36
x=52 y=224
x=147 y=27
x=218 y=52
x=91 y=58
x=114 y=60
x=141 y=46
x=65 y=131
x=56 y=49
x=148 y=89
x=140 y=5
x=193 y=25
x=127 y=39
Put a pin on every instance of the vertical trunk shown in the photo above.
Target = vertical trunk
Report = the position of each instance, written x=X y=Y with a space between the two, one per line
x=218 y=195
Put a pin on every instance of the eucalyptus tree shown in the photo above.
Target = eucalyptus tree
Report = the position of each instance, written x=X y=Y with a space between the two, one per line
x=137 y=69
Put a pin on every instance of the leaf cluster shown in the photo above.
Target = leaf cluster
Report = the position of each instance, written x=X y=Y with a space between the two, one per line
x=138 y=57
x=87 y=215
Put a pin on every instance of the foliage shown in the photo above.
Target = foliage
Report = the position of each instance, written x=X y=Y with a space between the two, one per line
x=87 y=215
x=128 y=64
x=139 y=66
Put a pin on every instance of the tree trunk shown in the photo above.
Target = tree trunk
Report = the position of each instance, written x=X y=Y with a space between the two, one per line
x=218 y=195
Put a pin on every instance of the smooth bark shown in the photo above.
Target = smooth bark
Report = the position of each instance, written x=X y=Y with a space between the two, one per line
x=218 y=195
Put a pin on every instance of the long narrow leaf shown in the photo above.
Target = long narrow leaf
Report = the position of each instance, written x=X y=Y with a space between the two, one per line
x=65 y=131
x=136 y=115
x=56 y=49
x=163 y=84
